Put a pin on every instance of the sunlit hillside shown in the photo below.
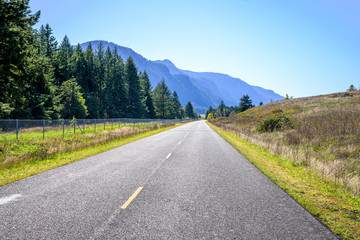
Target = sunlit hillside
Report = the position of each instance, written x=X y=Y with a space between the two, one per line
x=321 y=132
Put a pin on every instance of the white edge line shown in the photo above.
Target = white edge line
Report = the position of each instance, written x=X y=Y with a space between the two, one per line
x=8 y=199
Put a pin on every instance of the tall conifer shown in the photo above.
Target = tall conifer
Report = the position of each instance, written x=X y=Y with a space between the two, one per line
x=133 y=88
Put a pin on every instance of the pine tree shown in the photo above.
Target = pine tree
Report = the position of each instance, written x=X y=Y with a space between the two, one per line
x=352 y=88
x=90 y=86
x=100 y=76
x=162 y=100
x=133 y=89
x=63 y=59
x=221 y=110
x=40 y=91
x=189 y=110
x=120 y=96
x=176 y=106
x=78 y=67
x=71 y=100
x=47 y=41
x=147 y=99
x=245 y=103
x=16 y=37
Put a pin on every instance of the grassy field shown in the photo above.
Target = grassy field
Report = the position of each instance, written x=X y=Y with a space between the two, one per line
x=334 y=206
x=32 y=154
x=318 y=136
x=321 y=133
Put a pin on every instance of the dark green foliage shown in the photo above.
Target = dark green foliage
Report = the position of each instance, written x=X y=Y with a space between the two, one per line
x=147 y=99
x=71 y=100
x=162 y=100
x=117 y=89
x=352 y=88
x=47 y=41
x=134 y=107
x=177 y=110
x=39 y=79
x=245 y=103
x=16 y=37
x=189 y=110
x=271 y=124
x=63 y=60
x=221 y=111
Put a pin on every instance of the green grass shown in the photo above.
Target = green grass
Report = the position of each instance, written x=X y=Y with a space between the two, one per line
x=337 y=208
x=31 y=155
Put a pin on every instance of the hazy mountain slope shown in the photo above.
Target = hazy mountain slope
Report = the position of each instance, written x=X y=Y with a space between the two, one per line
x=202 y=89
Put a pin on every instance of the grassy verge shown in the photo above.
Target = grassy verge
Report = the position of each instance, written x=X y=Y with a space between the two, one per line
x=336 y=208
x=32 y=166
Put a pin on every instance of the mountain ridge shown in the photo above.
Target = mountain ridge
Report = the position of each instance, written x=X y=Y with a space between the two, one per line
x=203 y=89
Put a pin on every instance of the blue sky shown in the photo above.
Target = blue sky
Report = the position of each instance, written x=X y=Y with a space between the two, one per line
x=296 y=47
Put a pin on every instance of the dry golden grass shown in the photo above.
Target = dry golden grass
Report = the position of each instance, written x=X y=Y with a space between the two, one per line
x=324 y=136
x=34 y=148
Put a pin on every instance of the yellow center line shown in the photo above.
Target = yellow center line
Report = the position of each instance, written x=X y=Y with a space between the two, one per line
x=131 y=198
x=168 y=155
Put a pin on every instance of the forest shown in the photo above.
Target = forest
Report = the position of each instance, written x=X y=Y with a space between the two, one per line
x=43 y=79
x=225 y=111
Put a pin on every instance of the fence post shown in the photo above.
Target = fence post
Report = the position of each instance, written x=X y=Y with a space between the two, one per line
x=63 y=128
x=84 y=125
x=43 y=128
x=95 y=125
x=17 y=129
x=112 y=124
x=104 y=124
x=74 y=126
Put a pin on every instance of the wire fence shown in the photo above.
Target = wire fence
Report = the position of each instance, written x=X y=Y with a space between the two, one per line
x=74 y=126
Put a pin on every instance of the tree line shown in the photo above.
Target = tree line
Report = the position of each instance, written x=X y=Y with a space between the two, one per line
x=41 y=79
x=225 y=111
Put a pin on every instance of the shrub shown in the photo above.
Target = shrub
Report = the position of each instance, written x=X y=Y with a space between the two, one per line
x=276 y=111
x=274 y=123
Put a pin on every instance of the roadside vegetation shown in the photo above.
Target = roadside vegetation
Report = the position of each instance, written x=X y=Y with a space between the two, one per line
x=43 y=79
x=32 y=154
x=319 y=137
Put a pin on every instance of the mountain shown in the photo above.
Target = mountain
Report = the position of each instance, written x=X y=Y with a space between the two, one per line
x=202 y=89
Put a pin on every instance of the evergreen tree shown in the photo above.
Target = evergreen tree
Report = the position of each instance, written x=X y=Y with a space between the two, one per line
x=147 y=99
x=40 y=91
x=71 y=100
x=162 y=100
x=189 y=110
x=108 y=98
x=352 y=88
x=120 y=96
x=210 y=111
x=176 y=106
x=63 y=59
x=47 y=41
x=245 y=103
x=16 y=37
x=90 y=86
x=221 y=110
x=133 y=89
x=100 y=77
x=78 y=67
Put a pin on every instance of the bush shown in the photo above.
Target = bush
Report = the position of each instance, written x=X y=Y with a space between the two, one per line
x=274 y=123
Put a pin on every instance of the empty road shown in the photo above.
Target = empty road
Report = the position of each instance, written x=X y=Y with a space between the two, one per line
x=185 y=183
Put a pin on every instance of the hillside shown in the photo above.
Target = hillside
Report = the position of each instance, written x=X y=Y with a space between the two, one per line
x=202 y=89
x=321 y=132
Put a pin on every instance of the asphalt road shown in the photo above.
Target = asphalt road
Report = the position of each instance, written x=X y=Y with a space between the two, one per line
x=190 y=184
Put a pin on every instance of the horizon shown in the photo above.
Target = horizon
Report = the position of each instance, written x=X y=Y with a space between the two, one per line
x=300 y=49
